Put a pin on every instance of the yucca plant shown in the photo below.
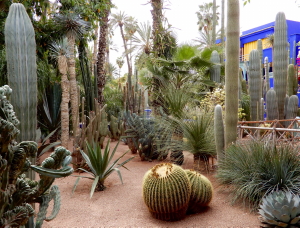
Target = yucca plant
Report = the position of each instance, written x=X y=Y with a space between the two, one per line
x=257 y=168
x=280 y=209
x=100 y=165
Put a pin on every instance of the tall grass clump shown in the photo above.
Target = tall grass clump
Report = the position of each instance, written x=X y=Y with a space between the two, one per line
x=257 y=168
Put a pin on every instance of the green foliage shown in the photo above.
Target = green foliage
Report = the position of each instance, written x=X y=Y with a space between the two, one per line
x=114 y=100
x=101 y=165
x=280 y=209
x=255 y=169
x=166 y=191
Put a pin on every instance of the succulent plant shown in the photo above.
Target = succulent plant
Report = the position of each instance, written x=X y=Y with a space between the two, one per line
x=201 y=191
x=280 y=209
x=166 y=191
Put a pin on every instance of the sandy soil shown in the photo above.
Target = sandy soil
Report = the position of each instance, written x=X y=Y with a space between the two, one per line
x=121 y=205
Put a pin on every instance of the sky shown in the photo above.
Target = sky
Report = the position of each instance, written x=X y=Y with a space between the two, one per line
x=181 y=14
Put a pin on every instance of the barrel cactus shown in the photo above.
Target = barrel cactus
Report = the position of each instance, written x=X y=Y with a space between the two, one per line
x=166 y=191
x=201 y=191
x=280 y=209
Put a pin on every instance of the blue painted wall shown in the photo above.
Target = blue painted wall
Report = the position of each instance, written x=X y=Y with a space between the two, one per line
x=263 y=31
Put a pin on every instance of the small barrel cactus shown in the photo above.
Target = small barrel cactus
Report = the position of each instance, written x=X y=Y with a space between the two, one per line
x=166 y=191
x=201 y=191
x=280 y=209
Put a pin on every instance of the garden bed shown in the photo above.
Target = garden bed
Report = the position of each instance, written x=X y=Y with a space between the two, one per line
x=122 y=205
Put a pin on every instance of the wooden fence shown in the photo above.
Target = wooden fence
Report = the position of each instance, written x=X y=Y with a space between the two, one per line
x=275 y=130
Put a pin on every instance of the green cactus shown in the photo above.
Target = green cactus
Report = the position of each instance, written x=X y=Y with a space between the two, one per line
x=201 y=191
x=215 y=71
x=219 y=133
x=267 y=77
x=280 y=64
x=16 y=191
x=166 y=191
x=272 y=105
x=292 y=82
x=255 y=86
x=260 y=50
x=292 y=109
x=261 y=109
x=21 y=69
x=232 y=71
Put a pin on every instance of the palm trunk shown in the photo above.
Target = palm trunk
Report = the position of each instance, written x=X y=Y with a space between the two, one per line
x=73 y=85
x=95 y=49
x=101 y=73
x=64 y=106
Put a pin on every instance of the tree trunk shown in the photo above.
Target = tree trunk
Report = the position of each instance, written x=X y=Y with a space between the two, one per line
x=214 y=23
x=64 y=106
x=94 y=61
x=232 y=71
x=73 y=85
x=101 y=73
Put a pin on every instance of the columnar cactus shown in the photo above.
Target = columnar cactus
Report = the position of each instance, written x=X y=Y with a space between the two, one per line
x=219 y=132
x=255 y=83
x=166 y=191
x=232 y=70
x=280 y=64
x=272 y=105
x=201 y=191
x=21 y=67
x=215 y=71
x=261 y=109
x=267 y=77
x=292 y=108
x=292 y=82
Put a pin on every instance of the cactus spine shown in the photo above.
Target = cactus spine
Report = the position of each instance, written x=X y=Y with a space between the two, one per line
x=255 y=88
x=219 y=132
x=280 y=64
x=292 y=83
x=201 y=191
x=272 y=105
x=232 y=71
x=21 y=67
x=166 y=191
x=215 y=71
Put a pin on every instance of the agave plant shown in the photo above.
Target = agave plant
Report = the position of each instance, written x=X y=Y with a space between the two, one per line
x=100 y=165
x=280 y=209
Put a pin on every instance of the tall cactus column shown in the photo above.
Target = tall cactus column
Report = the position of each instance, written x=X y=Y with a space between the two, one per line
x=232 y=70
x=21 y=66
x=280 y=63
x=255 y=83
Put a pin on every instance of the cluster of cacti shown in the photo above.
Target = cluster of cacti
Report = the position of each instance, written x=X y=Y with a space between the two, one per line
x=133 y=97
x=145 y=136
x=116 y=127
x=95 y=130
x=280 y=209
x=281 y=101
x=170 y=192
x=16 y=191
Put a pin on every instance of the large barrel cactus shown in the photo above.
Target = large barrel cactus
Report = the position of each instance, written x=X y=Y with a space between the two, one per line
x=280 y=63
x=21 y=67
x=166 y=191
x=201 y=191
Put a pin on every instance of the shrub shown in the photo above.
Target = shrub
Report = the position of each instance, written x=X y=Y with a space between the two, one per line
x=258 y=168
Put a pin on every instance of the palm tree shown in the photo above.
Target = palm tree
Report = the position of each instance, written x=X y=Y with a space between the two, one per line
x=74 y=27
x=60 y=52
x=101 y=63
x=205 y=16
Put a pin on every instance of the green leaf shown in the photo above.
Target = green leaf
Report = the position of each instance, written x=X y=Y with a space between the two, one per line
x=94 y=186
